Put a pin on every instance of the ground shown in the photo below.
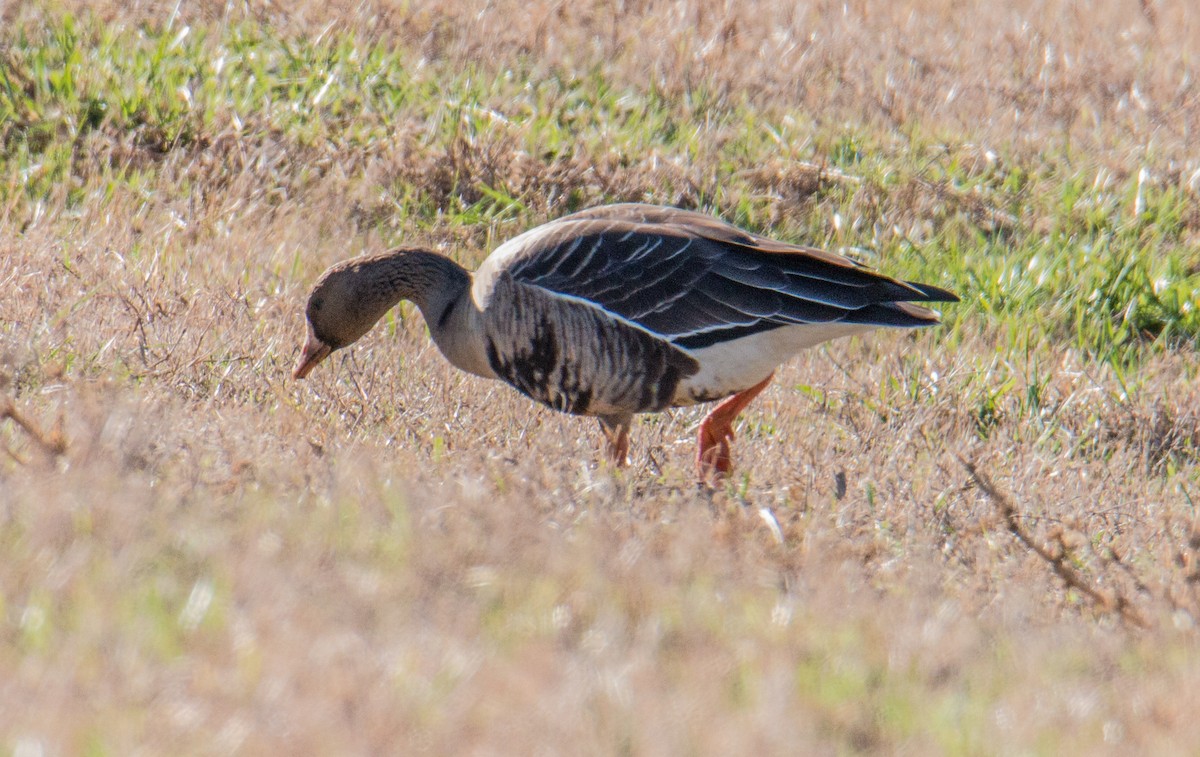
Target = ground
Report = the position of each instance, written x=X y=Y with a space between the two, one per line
x=978 y=538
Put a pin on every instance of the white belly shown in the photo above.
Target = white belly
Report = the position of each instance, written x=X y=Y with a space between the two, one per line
x=730 y=367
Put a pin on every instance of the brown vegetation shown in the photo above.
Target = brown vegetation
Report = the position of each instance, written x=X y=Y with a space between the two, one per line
x=201 y=555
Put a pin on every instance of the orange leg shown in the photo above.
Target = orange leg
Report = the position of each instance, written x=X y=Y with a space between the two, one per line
x=616 y=437
x=713 y=458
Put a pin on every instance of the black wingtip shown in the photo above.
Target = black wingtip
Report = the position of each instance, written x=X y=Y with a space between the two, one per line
x=932 y=294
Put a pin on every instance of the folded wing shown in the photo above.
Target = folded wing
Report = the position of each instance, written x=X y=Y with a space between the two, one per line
x=696 y=281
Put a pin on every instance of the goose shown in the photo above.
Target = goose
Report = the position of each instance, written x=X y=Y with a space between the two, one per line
x=623 y=309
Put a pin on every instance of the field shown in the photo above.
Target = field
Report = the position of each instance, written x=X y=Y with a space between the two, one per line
x=981 y=538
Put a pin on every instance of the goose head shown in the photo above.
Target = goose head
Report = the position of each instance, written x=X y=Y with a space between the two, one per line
x=353 y=295
x=345 y=303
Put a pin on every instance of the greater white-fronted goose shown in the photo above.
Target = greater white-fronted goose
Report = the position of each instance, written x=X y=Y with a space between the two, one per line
x=623 y=309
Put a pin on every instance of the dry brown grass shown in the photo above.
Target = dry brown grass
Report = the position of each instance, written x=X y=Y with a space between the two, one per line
x=200 y=555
